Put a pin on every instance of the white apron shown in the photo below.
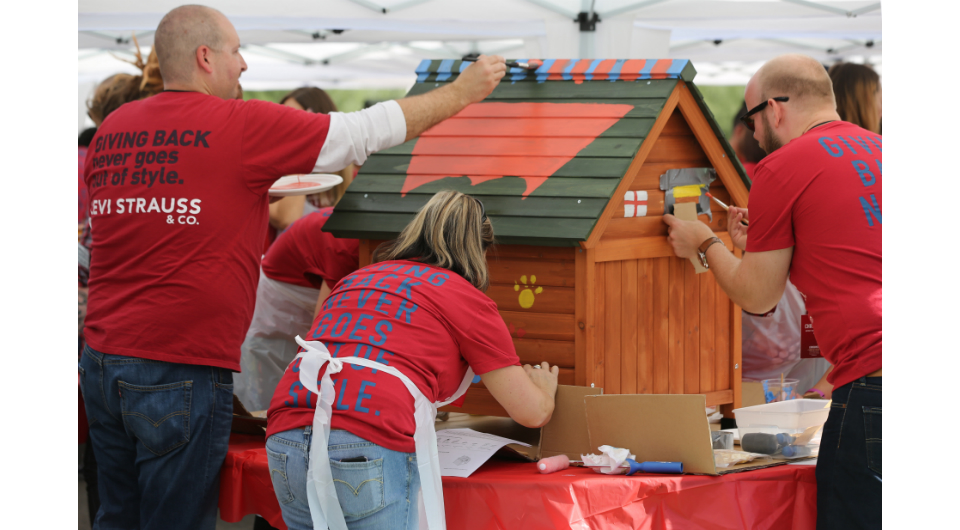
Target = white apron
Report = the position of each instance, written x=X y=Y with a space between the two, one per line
x=321 y=493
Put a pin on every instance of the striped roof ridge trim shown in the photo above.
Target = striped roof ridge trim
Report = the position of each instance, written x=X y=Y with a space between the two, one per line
x=576 y=70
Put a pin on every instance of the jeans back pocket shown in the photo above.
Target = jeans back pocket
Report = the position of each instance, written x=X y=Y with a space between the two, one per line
x=278 y=476
x=873 y=432
x=158 y=415
x=359 y=487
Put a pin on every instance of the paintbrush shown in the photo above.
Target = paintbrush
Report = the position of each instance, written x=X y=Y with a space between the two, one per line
x=513 y=64
x=725 y=207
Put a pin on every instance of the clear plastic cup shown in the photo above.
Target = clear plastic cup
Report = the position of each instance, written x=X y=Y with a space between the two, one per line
x=773 y=392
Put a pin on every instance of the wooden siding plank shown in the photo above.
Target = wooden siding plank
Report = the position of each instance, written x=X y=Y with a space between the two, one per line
x=642 y=107
x=628 y=327
x=569 y=90
x=569 y=208
x=524 y=146
x=708 y=351
x=635 y=165
x=722 y=338
x=649 y=176
x=365 y=251
x=691 y=331
x=676 y=148
x=576 y=187
x=599 y=319
x=580 y=315
x=611 y=331
x=719 y=397
x=557 y=273
x=498 y=251
x=541 y=166
x=539 y=325
x=736 y=343
x=676 y=126
x=643 y=247
x=619 y=228
x=661 y=325
x=675 y=347
x=550 y=299
x=645 y=326
x=535 y=351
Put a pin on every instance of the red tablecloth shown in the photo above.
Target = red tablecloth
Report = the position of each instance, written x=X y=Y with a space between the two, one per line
x=507 y=495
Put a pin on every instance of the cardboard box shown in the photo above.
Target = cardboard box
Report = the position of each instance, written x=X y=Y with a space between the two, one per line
x=655 y=427
x=565 y=434
x=660 y=427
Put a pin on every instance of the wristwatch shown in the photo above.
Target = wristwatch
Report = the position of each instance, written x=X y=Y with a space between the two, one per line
x=702 y=251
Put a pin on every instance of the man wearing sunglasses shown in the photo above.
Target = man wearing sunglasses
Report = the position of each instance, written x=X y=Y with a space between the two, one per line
x=816 y=217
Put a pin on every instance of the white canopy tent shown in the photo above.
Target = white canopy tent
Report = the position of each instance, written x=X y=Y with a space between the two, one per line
x=378 y=43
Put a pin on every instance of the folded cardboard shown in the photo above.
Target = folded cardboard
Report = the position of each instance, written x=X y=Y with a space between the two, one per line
x=566 y=433
x=660 y=427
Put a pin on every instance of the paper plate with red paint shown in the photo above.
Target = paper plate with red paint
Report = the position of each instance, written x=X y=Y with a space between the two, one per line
x=304 y=184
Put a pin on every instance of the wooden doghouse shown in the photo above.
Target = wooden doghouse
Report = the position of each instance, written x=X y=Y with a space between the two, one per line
x=567 y=161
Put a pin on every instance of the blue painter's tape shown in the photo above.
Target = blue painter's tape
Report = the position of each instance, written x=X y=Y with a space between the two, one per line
x=464 y=65
x=593 y=66
x=424 y=66
x=677 y=67
x=615 y=71
x=443 y=72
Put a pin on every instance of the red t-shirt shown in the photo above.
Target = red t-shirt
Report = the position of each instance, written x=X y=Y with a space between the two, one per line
x=178 y=203
x=427 y=322
x=821 y=194
x=82 y=187
x=305 y=255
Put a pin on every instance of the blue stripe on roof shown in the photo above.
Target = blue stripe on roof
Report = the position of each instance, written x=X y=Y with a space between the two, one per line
x=647 y=66
x=566 y=71
x=443 y=71
x=519 y=73
x=593 y=66
x=543 y=71
x=464 y=65
x=422 y=77
x=615 y=71
x=677 y=67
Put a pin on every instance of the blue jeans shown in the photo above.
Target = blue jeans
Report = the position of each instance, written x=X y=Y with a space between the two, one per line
x=159 y=432
x=849 y=480
x=377 y=494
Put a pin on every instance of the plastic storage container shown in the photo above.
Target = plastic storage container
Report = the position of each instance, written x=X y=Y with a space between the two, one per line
x=792 y=417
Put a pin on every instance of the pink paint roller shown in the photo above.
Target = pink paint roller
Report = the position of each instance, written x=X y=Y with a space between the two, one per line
x=553 y=464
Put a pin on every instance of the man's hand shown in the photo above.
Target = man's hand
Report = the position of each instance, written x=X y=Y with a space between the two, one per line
x=737 y=230
x=686 y=236
x=544 y=377
x=480 y=78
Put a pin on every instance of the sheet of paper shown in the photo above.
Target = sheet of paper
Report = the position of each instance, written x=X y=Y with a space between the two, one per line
x=811 y=462
x=463 y=451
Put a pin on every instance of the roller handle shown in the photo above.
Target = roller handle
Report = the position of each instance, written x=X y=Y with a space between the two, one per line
x=655 y=467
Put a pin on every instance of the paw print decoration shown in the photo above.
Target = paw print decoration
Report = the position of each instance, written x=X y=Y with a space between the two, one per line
x=527 y=292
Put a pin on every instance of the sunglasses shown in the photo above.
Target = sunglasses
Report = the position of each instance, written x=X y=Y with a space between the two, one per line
x=483 y=211
x=748 y=121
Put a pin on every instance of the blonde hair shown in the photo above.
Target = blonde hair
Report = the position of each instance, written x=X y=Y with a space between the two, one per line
x=856 y=87
x=113 y=92
x=450 y=231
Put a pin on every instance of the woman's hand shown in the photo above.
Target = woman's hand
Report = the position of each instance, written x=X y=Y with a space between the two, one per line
x=525 y=393
x=544 y=377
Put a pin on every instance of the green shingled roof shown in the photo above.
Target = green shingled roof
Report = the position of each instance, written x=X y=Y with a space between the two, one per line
x=539 y=187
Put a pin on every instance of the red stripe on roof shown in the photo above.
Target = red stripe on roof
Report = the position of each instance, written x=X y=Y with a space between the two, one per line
x=659 y=70
x=631 y=69
x=556 y=69
x=602 y=69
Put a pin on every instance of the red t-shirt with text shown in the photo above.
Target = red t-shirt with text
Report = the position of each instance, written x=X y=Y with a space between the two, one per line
x=305 y=255
x=178 y=205
x=821 y=194
x=427 y=322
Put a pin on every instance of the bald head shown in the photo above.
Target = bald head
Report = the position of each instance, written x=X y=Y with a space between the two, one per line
x=803 y=79
x=180 y=33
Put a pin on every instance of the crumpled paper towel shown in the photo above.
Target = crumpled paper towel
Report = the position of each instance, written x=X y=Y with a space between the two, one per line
x=611 y=462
